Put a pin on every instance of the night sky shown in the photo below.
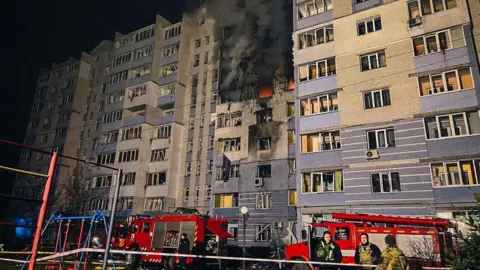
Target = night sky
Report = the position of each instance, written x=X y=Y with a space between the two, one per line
x=37 y=33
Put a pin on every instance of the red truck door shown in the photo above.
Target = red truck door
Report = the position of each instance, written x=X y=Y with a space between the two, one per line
x=344 y=236
x=143 y=235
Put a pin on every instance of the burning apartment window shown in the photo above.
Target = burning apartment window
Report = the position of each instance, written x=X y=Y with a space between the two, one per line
x=156 y=179
x=128 y=179
x=196 y=60
x=315 y=37
x=313 y=7
x=264 y=144
x=318 y=182
x=229 y=120
x=264 y=116
x=264 y=171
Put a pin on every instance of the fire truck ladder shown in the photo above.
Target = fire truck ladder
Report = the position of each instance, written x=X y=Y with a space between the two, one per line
x=98 y=216
x=431 y=222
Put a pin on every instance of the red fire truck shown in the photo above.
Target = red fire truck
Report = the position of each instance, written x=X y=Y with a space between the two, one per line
x=162 y=234
x=422 y=240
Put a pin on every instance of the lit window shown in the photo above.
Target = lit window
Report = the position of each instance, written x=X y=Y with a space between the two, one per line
x=439 y=41
x=451 y=80
x=320 y=104
x=319 y=142
x=229 y=200
x=317 y=70
x=456 y=173
x=318 y=182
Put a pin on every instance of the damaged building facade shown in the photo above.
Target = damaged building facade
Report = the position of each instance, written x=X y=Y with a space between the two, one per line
x=388 y=107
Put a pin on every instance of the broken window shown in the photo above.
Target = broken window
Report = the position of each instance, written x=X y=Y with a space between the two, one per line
x=128 y=179
x=234 y=171
x=264 y=171
x=158 y=155
x=229 y=120
x=155 y=179
x=315 y=37
x=264 y=144
x=264 y=116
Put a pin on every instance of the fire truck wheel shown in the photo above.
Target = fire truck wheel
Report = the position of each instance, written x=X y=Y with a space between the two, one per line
x=300 y=266
x=134 y=258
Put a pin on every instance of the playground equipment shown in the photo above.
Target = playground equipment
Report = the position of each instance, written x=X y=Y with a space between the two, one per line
x=86 y=231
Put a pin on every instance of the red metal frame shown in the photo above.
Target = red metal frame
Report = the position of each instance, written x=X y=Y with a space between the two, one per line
x=392 y=219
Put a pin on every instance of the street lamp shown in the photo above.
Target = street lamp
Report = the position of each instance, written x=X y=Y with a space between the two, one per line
x=244 y=211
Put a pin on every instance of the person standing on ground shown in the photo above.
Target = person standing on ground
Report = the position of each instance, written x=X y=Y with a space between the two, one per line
x=366 y=252
x=328 y=251
x=392 y=257
x=183 y=248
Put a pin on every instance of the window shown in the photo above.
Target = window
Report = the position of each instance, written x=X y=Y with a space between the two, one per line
x=33 y=123
x=102 y=181
x=188 y=169
x=229 y=145
x=200 y=144
x=229 y=120
x=99 y=203
x=381 y=138
x=191 y=122
x=128 y=179
x=385 y=182
x=196 y=60
x=51 y=105
x=41 y=92
x=426 y=7
x=171 y=50
x=25 y=157
x=209 y=166
x=186 y=193
x=112 y=116
x=115 y=97
x=44 y=138
x=190 y=145
x=228 y=200
x=168 y=69
x=162 y=132
x=213 y=119
x=233 y=231
x=31 y=139
x=138 y=71
x=110 y=137
x=55 y=89
x=199 y=167
x=208 y=192
x=37 y=107
x=125 y=203
x=205 y=59
x=154 y=204
x=263 y=233
x=318 y=182
x=451 y=80
x=103 y=159
x=292 y=197
x=122 y=59
x=290 y=109
x=211 y=142
x=69 y=83
x=369 y=26
x=456 y=173
x=439 y=41
x=342 y=233
x=202 y=120
x=197 y=193
x=292 y=168
x=143 y=52
x=319 y=69
x=63 y=116
x=46 y=122
x=263 y=201
x=39 y=156
x=198 y=43
x=58 y=149
x=234 y=171
x=315 y=37
x=264 y=116
x=214 y=75
x=310 y=8
x=118 y=77
x=291 y=136
x=373 y=61
x=172 y=32
x=264 y=171
x=66 y=99
x=207 y=40
x=452 y=125
x=44 y=77
x=60 y=133
x=319 y=142
x=128 y=156
x=320 y=104
x=214 y=97
x=131 y=133
x=155 y=179
x=376 y=99
x=194 y=84
x=204 y=79
x=264 y=144
x=137 y=91
x=144 y=34
x=167 y=89
x=158 y=155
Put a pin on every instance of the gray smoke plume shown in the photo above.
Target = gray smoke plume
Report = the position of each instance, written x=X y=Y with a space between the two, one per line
x=254 y=37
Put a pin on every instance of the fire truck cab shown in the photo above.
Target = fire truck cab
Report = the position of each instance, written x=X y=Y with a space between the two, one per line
x=421 y=239
x=162 y=234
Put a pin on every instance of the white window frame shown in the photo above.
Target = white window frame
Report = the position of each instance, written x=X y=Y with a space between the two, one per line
x=380 y=177
x=106 y=158
x=131 y=133
x=368 y=56
x=171 y=50
x=159 y=155
x=331 y=108
x=450 y=118
x=314 y=34
x=366 y=26
x=263 y=201
x=128 y=179
x=372 y=95
x=260 y=229
x=234 y=145
x=433 y=91
x=109 y=137
x=122 y=59
x=476 y=173
x=154 y=204
x=153 y=179
x=322 y=186
x=130 y=155
x=137 y=91
x=162 y=132
x=317 y=65
x=143 y=52
x=169 y=69
x=318 y=9
x=377 y=131
x=437 y=40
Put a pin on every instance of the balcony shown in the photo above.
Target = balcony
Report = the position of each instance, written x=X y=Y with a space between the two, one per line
x=459 y=146
x=133 y=63
x=320 y=159
x=449 y=100
x=138 y=80
x=317 y=86
x=133 y=46
x=366 y=5
x=442 y=60
x=319 y=121
x=166 y=100
x=168 y=79
x=162 y=120
x=323 y=199
x=105 y=127
x=314 y=20
x=169 y=59
x=172 y=40
x=133 y=120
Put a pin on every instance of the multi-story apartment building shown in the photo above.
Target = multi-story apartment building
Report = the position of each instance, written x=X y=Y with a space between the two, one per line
x=58 y=122
x=388 y=107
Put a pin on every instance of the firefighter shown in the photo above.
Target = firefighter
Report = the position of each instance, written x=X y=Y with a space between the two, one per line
x=392 y=257
x=366 y=252
x=183 y=248
x=328 y=251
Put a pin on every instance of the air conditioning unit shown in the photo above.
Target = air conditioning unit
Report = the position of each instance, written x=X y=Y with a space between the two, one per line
x=258 y=182
x=415 y=22
x=278 y=225
x=371 y=154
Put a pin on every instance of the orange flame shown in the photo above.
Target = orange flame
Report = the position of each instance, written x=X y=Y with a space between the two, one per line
x=291 y=85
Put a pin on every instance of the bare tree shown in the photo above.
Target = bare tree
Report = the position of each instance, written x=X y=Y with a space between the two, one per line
x=421 y=251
